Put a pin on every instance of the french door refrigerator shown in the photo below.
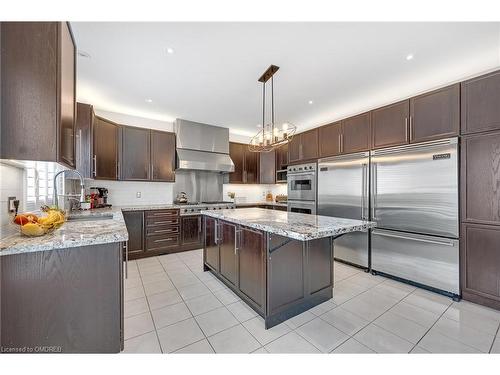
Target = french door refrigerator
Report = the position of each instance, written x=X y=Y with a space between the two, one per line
x=343 y=191
x=414 y=200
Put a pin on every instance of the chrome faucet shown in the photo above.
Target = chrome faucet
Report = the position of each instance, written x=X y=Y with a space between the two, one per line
x=82 y=186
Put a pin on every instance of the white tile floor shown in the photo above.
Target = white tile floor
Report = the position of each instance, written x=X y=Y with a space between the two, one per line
x=172 y=306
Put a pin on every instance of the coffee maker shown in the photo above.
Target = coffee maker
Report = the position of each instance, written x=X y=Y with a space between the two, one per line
x=99 y=195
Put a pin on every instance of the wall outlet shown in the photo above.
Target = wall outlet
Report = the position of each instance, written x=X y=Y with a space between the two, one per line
x=138 y=194
x=11 y=206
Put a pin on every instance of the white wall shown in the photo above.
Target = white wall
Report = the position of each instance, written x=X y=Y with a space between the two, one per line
x=252 y=193
x=11 y=185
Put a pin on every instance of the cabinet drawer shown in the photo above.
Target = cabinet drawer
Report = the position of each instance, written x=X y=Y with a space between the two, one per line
x=162 y=221
x=161 y=230
x=161 y=213
x=162 y=242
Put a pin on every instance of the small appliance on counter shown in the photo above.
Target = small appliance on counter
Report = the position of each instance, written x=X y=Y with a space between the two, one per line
x=269 y=196
x=181 y=198
x=98 y=197
x=281 y=198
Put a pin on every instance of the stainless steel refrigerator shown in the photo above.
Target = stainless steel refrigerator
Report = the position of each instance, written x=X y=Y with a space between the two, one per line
x=414 y=200
x=343 y=191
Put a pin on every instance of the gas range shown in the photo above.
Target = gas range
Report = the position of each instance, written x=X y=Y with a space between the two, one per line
x=195 y=208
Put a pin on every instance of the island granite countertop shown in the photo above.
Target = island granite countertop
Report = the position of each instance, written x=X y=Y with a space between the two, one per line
x=302 y=227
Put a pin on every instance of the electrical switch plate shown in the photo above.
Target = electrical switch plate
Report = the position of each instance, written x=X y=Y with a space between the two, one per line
x=10 y=206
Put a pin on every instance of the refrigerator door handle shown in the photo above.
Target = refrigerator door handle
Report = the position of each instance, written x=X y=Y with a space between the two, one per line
x=414 y=238
x=374 y=190
x=364 y=188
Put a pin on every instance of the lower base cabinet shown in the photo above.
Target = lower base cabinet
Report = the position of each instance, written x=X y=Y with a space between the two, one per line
x=134 y=220
x=480 y=262
x=227 y=252
x=191 y=231
x=211 y=245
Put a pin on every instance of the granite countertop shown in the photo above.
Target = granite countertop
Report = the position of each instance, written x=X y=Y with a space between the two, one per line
x=301 y=227
x=262 y=203
x=72 y=234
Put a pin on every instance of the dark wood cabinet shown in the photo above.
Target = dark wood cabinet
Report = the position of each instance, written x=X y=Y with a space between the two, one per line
x=162 y=156
x=304 y=147
x=134 y=220
x=251 y=265
x=267 y=167
x=211 y=245
x=282 y=157
x=480 y=173
x=246 y=164
x=480 y=109
x=162 y=231
x=191 y=231
x=38 y=92
x=83 y=139
x=330 y=140
x=227 y=252
x=480 y=263
x=390 y=125
x=435 y=114
x=356 y=135
x=105 y=158
x=134 y=162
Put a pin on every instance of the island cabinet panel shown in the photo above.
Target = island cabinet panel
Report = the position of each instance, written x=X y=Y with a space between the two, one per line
x=134 y=220
x=480 y=262
x=390 y=125
x=66 y=300
x=83 y=139
x=435 y=114
x=105 y=158
x=134 y=162
x=191 y=231
x=285 y=274
x=228 y=261
x=211 y=245
x=356 y=134
x=480 y=108
x=319 y=258
x=162 y=156
x=251 y=261
x=330 y=140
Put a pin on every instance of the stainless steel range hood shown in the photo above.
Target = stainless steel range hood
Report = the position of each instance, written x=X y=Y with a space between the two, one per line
x=202 y=147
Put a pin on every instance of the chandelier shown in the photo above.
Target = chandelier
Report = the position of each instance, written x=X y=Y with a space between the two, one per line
x=272 y=135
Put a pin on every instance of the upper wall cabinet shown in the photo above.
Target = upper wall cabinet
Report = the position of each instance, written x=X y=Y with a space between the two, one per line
x=162 y=156
x=481 y=104
x=304 y=147
x=105 y=158
x=356 y=134
x=134 y=163
x=330 y=140
x=38 y=92
x=246 y=164
x=83 y=139
x=435 y=114
x=390 y=125
x=267 y=167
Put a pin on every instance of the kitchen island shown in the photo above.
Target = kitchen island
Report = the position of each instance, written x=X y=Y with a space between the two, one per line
x=279 y=263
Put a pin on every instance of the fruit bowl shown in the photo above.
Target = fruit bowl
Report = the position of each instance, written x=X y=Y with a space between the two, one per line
x=32 y=225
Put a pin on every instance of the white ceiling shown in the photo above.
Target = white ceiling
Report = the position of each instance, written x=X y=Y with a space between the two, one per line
x=344 y=68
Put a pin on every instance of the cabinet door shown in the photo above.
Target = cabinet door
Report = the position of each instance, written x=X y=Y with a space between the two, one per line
x=135 y=155
x=251 y=259
x=330 y=138
x=390 y=125
x=134 y=220
x=237 y=154
x=481 y=261
x=67 y=100
x=356 y=133
x=435 y=114
x=251 y=169
x=191 y=230
x=227 y=251
x=211 y=250
x=267 y=167
x=105 y=158
x=83 y=139
x=309 y=145
x=282 y=157
x=162 y=156
x=480 y=98
x=294 y=149
x=480 y=178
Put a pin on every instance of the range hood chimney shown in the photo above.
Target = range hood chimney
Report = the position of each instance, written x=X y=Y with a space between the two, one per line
x=202 y=147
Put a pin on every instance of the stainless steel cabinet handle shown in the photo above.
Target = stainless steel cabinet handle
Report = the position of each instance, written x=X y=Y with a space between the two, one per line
x=126 y=259
x=342 y=143
x=236 y=239
x=166 y=222
x=199 y=224
x=406 y=129
x=118 y=169
x=411 y=128
x=166 y=230
x=436 y=242
x=216 y=234
x=95 y=165
x=164 y=240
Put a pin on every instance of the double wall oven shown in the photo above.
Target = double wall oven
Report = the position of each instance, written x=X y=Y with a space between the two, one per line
x=302 y=190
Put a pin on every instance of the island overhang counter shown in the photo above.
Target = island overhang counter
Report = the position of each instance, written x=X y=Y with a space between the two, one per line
x=279 y=263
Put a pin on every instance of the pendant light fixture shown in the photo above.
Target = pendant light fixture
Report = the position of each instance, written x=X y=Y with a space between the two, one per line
x=272 y=135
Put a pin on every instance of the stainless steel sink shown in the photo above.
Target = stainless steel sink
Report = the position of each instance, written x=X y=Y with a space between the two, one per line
x=89 y=217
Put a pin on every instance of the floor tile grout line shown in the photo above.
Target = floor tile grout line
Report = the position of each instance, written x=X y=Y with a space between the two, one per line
x=495 y=338
x=310 y=342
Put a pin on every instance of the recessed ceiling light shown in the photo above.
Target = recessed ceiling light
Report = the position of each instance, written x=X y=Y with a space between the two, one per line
x=170 y=50
x=83 y=54
x=149 y=100
x=310 y=102
x=409 y=57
